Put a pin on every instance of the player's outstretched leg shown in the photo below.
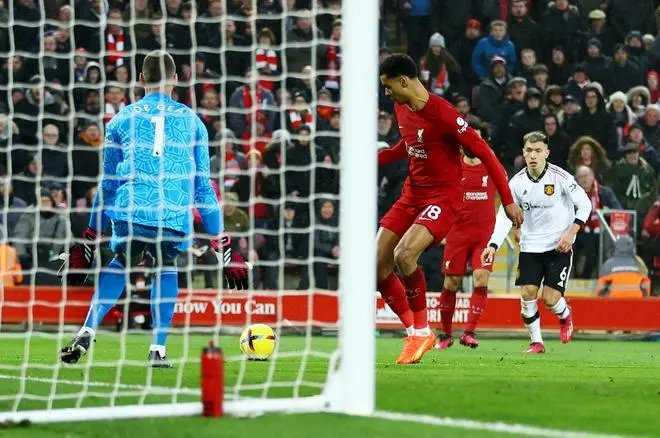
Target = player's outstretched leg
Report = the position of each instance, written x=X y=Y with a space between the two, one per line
x=406 y=254
x=556 y=303
x=532 y=318
x=388 y=282
x=111 y=284
x=477 y=307
x=164 y=291
x=447 y=307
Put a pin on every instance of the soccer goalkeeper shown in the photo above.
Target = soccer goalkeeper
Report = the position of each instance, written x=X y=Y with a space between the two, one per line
x=155 y=164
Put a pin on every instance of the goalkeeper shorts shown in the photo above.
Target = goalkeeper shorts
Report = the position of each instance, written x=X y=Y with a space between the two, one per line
x=132 y=241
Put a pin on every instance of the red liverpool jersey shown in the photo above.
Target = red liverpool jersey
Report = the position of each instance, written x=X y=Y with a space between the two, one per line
x=431 y=138
x=476 y=216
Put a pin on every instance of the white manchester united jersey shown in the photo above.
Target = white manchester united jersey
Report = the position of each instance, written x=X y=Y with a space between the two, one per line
x=550 y=203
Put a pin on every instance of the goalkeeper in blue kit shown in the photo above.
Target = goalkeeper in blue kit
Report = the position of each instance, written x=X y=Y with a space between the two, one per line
x=155 y=167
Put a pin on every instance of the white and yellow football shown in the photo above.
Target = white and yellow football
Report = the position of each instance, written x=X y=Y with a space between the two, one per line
x=258 y=342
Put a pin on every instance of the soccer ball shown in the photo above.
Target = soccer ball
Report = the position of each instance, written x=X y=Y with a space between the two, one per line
x=258 y=342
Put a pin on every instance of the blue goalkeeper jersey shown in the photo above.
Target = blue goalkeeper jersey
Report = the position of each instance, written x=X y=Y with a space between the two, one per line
x=156 y=168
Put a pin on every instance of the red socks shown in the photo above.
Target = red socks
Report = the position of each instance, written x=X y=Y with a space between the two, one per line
x=447 y=306
x=416 y=292
x=477 y=307
x=395 y=296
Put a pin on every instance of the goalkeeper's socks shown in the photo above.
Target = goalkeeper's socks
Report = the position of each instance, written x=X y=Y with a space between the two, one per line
x=164 y=290
x=561 y=309
x=477 y=307
x=394 y=295
x=532 y=319
x=415 y=284
x=447 y=306
x=111 y=284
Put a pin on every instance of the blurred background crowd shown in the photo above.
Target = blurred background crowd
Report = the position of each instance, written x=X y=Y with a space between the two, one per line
x=267 y=86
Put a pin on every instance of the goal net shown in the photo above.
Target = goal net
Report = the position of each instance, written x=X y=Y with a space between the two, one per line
x=276 y=88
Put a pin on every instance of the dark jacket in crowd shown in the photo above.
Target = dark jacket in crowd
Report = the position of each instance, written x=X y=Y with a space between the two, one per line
x=598 y=125
x=562 y=29
x=598 y=68
x=623 y=78
x=627 y=15
x=525 y=34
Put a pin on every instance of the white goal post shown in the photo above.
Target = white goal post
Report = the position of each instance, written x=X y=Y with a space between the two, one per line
x=349 y=387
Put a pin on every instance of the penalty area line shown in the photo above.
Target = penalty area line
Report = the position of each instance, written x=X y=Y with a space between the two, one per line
x=514 y=429
x=96 y=384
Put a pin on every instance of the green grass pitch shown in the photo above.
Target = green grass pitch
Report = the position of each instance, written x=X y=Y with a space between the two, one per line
x=591 y=386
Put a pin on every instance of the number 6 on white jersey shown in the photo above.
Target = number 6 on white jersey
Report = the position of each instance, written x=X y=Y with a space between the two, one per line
x=159 y=136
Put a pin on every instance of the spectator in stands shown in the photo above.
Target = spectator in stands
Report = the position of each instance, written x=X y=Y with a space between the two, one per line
x=54 y=153
x=79 y=64
x=209 y=110
x=587 y=241
x=229 y=158
x=258 y=188
x=4 y=28
x=638 y=99
x=11 y=151
x=650 y=123
x=207 y=22
x=117 y=42
x=325 y=21
x=559 y=69
x=625 y=16
x=462 y=49
x=492 y=92
x=633 y=182
x=526 y=120
x=495 y=44
x=589 y=152
x=25 y=183
x=86 y=159
x=29 y=110
x=562 y=26
x=236 y=60
x=14 y=65
x=91 y=80
x=153 y=40
x=54 y=68
x=539 y=77
x=235 y=219
x=648 y=150
x=328 y=139
x=266 y=59
x=27 y=15
x=115 y=101
x=324 y=108
x=333 y=60
x=13 y=206
x=299 y=57
x=653 y=85
x=525 y=33
x=387 y=132
x=139 y=12
x=302 y=154
x=326 y=242
x=596 y=64
x=385 y=103
x=553 y=101
x=651 y=237
x=256 y=104
x=417 y=18
x=593 y=120
x=601 y=31
x=89 y=16
x=516 y=89
x=40 y=238
x=438 y=69
x=559 y=142
x=462 y=105
x=623 y=74
x=527 y=62
x=58 y=193
x=639 y=56
x=622 y=115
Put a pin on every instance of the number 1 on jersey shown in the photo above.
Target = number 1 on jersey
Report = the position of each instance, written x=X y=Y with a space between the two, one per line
x=159 y=136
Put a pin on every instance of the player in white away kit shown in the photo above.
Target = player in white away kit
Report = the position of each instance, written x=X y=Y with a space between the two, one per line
x=555 y=208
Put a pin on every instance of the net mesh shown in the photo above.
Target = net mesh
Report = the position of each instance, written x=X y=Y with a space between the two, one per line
x=263 y=77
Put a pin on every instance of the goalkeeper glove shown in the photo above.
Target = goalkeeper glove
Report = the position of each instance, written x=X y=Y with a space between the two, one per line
x=235 y=268
x=80 y=257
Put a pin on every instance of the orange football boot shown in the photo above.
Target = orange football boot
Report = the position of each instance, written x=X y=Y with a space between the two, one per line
x=414 y=348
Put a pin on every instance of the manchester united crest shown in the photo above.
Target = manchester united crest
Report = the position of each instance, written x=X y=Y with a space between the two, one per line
x=549 y=189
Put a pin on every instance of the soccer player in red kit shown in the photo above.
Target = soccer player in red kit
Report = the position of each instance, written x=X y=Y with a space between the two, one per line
x=432 y=133
x=466 y=239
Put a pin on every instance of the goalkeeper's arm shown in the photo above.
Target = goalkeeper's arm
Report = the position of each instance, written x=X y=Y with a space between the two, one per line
x=234 y=266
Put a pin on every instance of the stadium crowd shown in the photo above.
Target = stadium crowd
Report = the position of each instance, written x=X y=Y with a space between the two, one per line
x=267 y=87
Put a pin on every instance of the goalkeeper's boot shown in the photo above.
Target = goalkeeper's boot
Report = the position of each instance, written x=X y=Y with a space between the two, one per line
x=536 y=348
x=77 y=348
x=158 y=361
x=444 y=342
x=566 y=328
x=415 y=347
x=469 y=340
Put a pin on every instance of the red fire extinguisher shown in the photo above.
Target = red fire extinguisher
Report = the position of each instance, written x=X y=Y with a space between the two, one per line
x=213 y=380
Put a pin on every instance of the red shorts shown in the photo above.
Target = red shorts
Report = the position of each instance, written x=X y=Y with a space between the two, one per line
x=437 y=215
x=459 y=251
